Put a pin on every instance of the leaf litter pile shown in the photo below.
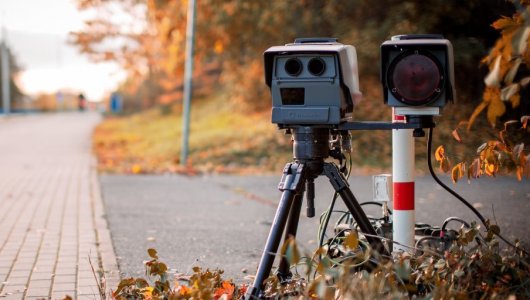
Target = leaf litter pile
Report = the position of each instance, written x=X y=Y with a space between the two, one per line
x=473 y=266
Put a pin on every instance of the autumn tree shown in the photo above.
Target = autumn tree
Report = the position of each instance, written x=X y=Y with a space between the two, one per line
x=505 y=102
x=147 y=37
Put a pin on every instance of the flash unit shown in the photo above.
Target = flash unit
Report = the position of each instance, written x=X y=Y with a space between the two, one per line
x=417 y=73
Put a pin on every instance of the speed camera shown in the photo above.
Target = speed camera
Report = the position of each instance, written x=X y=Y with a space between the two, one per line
x=312 y=81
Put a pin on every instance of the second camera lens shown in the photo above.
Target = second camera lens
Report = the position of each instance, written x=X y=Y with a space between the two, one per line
x=316 y=66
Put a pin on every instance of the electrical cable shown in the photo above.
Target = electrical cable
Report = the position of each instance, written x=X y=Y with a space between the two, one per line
x=329 y=211
x=375 y=203
x=426 y=238
x=457 y=196
x=448 y=220
x=326 y=216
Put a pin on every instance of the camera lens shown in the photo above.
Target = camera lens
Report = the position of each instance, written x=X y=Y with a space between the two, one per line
x=316 y=66
x=293 y=66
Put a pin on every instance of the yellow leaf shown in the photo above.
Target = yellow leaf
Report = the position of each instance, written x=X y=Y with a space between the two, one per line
x=439 y=154
x=454 y=174
x=184 y=291
x=492 y=144
x=504 y=23
x=445 y=165
x=491 y=163
x=475 y=113
x=491 y=169
x=148 y=292
x=456 y=136
x=218 y=47
x=496 y=108
x=352 y=240
x=290 y=251
x=457 y=172
x=152 y=253
x=136 y=169
x=490 y=156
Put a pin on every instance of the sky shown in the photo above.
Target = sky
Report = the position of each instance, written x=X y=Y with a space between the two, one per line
x=36 y=32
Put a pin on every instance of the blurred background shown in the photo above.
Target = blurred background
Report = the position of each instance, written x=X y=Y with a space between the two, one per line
x=126 y=58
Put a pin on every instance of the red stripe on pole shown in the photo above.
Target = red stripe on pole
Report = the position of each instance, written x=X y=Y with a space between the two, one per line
x=397 y=118
x=404 y=195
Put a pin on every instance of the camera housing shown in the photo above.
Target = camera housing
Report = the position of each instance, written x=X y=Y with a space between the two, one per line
x=417 y=73
x=313 y=81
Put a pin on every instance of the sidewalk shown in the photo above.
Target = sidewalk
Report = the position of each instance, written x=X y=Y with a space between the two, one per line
x=51 y=212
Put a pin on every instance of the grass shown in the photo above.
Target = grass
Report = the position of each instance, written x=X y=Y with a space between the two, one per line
x=222 y=139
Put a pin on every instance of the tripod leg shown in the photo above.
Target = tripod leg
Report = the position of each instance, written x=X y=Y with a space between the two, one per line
x=292 y=226
x=290 y=185
x=341 y=186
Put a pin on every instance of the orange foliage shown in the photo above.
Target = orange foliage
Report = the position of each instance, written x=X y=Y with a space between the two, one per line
x=511 y=51
x=440 y=156
x=227 y=289
x=504 y=60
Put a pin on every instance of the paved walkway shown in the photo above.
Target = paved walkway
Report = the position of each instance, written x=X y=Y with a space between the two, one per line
x=51 y=212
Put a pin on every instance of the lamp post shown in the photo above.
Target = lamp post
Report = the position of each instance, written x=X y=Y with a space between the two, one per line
x=188 y=74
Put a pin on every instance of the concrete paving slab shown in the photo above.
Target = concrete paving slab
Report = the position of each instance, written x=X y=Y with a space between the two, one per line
x=51 y=216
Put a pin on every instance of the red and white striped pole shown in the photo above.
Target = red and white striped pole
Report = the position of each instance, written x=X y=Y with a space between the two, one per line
x=403 y=185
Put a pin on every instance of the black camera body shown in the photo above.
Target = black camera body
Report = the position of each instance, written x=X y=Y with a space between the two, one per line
x=417 y=73
x=312 y=81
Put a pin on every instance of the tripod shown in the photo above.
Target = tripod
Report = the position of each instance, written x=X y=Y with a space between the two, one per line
x=310 y=148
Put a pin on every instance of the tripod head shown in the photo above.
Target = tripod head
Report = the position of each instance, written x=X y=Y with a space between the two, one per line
x=312 y=145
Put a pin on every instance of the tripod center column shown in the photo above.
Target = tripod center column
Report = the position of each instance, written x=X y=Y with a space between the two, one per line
x=310 y=144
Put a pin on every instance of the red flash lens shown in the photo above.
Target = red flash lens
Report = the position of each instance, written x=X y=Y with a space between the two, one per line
x=415 y=79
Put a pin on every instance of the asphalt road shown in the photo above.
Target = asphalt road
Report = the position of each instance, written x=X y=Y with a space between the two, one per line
x=222 y=221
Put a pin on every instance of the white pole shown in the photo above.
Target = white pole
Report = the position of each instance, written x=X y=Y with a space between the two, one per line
x=188 y=74
x=403 y=186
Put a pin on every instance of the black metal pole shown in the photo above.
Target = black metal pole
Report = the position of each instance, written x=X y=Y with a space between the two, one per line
x=273 y=240
x=290 y=232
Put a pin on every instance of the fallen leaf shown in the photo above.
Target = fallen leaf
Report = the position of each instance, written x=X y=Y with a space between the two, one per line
x=352 y=240
x=136 y=169
x=152 y=253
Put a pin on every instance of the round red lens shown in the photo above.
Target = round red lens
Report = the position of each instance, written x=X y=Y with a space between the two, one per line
x=415 y=79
